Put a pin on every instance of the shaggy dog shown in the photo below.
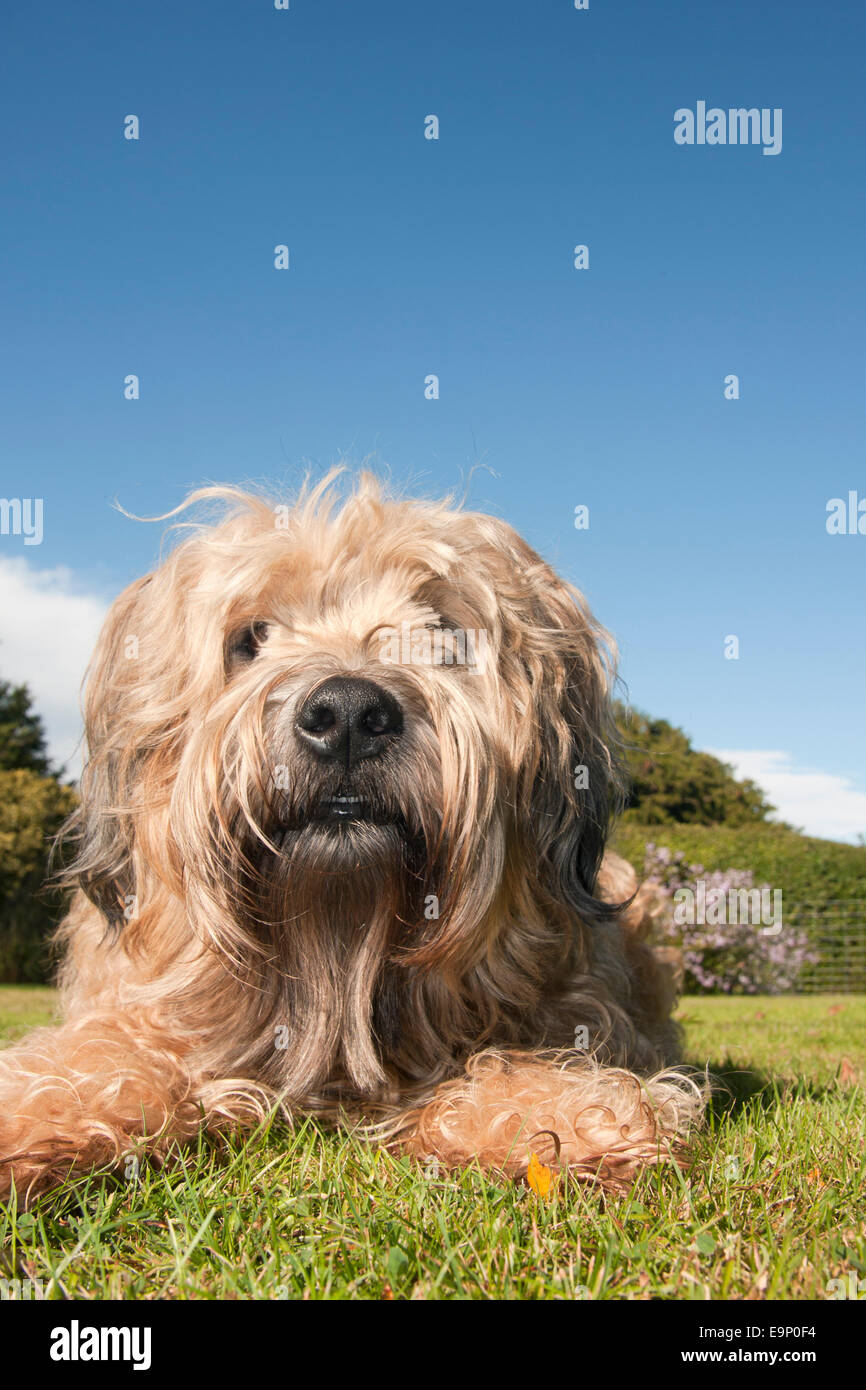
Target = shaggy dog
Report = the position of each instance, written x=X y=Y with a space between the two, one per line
x=342 y=820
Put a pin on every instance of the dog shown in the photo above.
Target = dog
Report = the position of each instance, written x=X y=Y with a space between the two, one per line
x=339 y=850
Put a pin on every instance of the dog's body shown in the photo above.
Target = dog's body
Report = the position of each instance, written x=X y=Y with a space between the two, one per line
x=353 y=875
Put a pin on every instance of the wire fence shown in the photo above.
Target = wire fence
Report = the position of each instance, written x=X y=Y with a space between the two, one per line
x=836 y=929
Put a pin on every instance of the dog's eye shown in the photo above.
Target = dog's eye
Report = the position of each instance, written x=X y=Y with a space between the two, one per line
x=244 y=645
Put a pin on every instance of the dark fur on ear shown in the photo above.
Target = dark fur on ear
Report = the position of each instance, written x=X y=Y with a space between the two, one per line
x=571 y=789
x=574 y=831
x=578 y=787
x=101 y=841
x=97 y=843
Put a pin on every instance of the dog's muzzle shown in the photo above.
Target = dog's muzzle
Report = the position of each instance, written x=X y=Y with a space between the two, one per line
x=342 y=723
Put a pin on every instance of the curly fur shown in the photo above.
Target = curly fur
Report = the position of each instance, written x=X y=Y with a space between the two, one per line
x=224 y=953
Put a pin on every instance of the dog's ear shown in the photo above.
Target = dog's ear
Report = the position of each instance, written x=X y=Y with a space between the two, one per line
x=102 y=867
x=128 y=722
x=577 y=786
x=571 y=784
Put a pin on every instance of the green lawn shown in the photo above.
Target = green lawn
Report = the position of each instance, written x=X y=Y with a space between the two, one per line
x=23 y=1007
x=772 y=1205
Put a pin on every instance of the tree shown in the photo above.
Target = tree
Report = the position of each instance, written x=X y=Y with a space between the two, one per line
x=672 y=781
x=22 y=736
x=32 y=810
x=33 y=806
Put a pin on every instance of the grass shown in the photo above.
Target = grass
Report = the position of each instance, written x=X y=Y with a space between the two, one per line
x=771 y=1205
x=23 y=1007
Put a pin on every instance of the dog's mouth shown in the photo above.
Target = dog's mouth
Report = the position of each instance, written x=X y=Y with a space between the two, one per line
x=335 y=814
x=340 y=810
x=343 y=830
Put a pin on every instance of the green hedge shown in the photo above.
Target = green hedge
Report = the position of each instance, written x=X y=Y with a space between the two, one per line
x=806 y=869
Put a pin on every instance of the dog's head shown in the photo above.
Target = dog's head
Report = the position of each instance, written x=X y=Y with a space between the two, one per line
x=352 y=737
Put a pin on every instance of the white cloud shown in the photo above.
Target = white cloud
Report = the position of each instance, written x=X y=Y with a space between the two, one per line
x=821 y=803
x=48 y=629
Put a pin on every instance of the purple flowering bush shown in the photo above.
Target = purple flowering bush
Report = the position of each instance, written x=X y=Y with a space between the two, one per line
x=727 y=957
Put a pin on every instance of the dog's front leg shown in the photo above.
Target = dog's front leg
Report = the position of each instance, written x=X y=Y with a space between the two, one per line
x=605 y=1120
x=88 y=1092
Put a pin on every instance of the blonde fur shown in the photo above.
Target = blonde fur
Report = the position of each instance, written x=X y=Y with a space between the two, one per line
x=224 y=952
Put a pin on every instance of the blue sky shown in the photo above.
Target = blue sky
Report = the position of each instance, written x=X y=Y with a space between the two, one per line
x=411 y=256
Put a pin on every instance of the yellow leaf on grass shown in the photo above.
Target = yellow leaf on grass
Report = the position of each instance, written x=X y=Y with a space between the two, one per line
x=538 y=1176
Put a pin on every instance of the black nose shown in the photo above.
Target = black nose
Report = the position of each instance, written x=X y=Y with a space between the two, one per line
x=347 y=720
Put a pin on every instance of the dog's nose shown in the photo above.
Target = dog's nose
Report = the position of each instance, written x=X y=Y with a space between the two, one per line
x=347 y=719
